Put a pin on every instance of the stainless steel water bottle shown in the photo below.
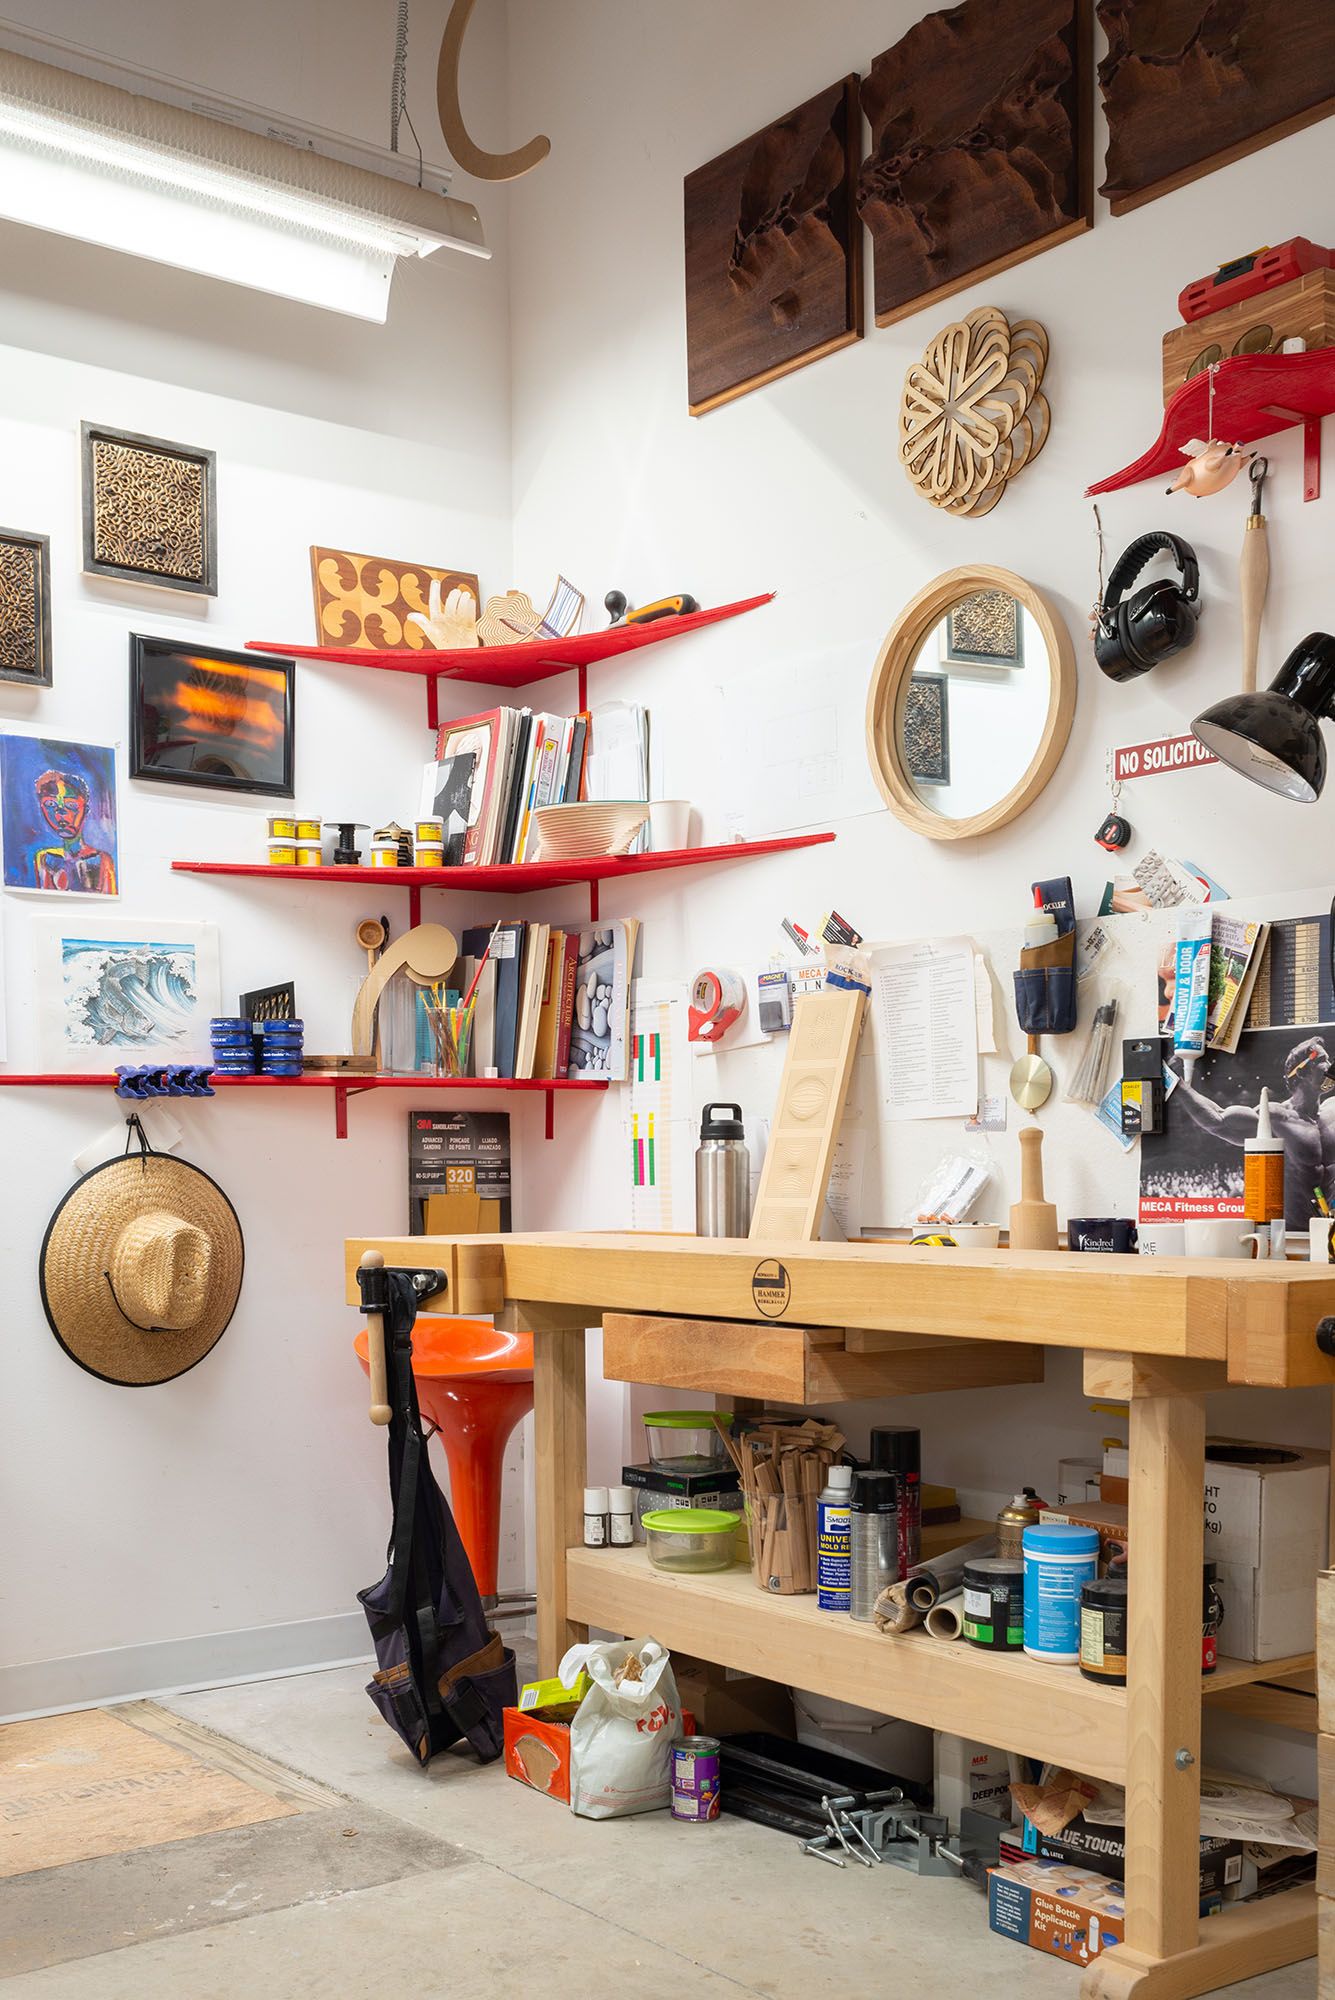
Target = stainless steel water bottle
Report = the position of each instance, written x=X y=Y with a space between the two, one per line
x=722 y=1173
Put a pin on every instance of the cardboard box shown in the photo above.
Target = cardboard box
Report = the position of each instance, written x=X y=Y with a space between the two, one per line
x=537 y=1750
x=724 y=1701
x=1103 y=1850
x=1070 y=1913
x=1108 y=1519
x=1266 y=1529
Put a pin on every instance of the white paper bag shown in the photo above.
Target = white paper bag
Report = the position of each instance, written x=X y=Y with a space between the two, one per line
x=621 y=1738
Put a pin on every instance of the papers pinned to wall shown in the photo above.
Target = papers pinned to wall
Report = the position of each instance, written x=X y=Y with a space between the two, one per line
x=925 y=1014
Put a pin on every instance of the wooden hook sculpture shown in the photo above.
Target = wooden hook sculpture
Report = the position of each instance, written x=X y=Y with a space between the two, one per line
x=425 y=955
x=483 y=166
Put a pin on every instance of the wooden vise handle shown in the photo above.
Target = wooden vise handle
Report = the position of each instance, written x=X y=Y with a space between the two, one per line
x=372 y=1260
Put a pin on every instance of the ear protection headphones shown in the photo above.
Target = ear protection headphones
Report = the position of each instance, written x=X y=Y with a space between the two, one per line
x=1157 y=621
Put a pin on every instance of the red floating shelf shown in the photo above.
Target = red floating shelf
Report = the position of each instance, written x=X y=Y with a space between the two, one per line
x=1255 y=395
x=522 y=664
x=515 y=878
x=344 y=1085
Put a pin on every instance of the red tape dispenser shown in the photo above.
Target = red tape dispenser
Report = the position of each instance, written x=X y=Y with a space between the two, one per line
x=717 y=1000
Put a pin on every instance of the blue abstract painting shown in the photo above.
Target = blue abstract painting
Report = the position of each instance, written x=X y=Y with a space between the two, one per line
x=58 y=816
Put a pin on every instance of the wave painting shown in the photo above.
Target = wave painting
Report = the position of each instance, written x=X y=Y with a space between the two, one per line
x=129 y=996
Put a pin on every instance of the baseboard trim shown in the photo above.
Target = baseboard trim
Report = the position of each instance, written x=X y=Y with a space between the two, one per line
x=181 y=1666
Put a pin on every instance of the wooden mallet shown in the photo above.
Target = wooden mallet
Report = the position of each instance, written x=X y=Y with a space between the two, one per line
x=1033 y=1220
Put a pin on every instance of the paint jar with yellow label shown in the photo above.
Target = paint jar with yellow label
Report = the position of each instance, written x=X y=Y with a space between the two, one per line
x=385 y=854
x=427 y=856
x=282 y=854
x=282 y=826
x=429 y=833
x=310 y=854
x=308 y=828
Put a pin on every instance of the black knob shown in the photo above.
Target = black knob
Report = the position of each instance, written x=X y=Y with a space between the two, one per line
x=616 y=604
x=1325 y=1335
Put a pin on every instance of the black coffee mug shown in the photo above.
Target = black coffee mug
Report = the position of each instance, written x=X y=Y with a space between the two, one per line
x=1100 y=1232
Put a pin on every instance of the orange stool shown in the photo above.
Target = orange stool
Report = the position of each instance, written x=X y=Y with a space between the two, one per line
x=475 y=1383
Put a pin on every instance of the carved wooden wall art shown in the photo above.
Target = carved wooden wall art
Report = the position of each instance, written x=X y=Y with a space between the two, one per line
x=149 y=510
x=774 y=251
x=973 y=412
x=1189 y=85
x=25 y=608
x=981 y=146
x=371 y=603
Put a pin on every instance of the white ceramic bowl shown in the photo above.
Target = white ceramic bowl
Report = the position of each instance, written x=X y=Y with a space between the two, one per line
x=590 y=827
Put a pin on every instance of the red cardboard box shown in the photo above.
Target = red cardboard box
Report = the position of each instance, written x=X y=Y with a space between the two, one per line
x=537 y=1750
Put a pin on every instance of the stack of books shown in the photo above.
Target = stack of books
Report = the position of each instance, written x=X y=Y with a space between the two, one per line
x=550 y=1002
x=510 y=761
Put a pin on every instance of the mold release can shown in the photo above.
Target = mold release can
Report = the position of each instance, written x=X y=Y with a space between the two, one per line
x=695 y=1778
x=994 y=1603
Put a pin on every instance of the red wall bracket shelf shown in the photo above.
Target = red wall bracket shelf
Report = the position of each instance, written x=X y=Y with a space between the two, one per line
x=1255 y=395
x=513 y=878
x=343 y=1087
x=520 y=665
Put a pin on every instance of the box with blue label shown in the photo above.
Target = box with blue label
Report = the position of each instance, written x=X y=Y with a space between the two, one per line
x=1067 y=1912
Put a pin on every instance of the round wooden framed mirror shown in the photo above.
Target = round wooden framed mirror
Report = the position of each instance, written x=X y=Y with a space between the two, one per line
x=971 y=703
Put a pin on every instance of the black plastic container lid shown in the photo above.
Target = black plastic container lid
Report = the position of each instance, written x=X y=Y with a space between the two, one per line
x=898 y=1449
x=721 y=1128
x=875 y=1491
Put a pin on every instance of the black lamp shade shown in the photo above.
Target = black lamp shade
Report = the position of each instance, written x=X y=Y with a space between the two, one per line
x=1274 y=737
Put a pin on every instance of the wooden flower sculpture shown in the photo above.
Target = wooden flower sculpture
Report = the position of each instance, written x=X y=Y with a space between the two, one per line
x=973 y=412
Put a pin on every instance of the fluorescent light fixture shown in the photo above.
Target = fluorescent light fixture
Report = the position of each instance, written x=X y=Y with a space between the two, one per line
x=84 y=159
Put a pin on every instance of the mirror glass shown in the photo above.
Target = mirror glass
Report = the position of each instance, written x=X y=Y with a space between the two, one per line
x=972 y=712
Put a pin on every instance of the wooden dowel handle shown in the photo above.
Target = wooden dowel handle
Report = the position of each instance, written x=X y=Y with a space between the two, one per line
x=1031 y=1163
x=375 y=1349
x=1033 y=1045
x=1254 y=579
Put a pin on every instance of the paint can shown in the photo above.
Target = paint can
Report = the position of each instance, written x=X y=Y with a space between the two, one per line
x=427 y=856
x=695 y=1778
x=310 y=854
x=1103 y=1626
x=282 y=826
x=994 y=1603
x=282 y=853
x=1011 y=1524
x=308 y=828
x=429 y=833
x=1059 y=1560
x=384 y=853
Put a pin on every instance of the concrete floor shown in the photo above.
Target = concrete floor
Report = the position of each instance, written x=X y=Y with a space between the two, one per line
x=459 y=1882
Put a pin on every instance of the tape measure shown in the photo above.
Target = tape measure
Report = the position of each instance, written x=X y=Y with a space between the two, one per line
x=718 y=996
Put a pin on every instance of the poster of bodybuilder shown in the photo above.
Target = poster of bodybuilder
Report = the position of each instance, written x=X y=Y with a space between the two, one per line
x=1194 y=1170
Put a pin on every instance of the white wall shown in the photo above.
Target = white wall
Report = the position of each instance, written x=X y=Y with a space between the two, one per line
x=250 y=1493
x=798 y=488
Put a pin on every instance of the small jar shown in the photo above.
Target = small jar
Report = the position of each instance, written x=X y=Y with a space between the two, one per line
x=595 y=1517
x=428 y=856
x=429 y=833
x=282 y=826
x=308 y=828
x=282 y=854
x=310 y=854
x=620 y=1516
x=385 y=854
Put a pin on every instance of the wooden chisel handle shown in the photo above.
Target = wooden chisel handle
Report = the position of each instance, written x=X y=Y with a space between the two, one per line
x=1254 y=581
x=371 y=1260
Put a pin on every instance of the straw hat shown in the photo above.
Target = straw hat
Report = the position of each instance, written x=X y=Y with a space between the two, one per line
x=140 y=1268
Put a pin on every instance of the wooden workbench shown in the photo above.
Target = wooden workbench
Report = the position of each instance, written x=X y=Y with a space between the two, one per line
x=823 y=1323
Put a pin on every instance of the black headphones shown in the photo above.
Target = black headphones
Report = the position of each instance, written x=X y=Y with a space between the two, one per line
x=1158 y=621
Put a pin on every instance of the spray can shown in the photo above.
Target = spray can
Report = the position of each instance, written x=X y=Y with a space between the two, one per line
x=874 y=1552
x=833 y=1540
x=898 y=1449
x=1263 y=1179
x=1011 y=1524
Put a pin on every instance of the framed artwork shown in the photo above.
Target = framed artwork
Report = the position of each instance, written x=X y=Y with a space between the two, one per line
x=1189 y=87
x=981 y=146
x=926 y=729
x=25 y=608
x=774 y=251
x=110 y=993
x=150 y=510
x=58 y=814
x=201 y=716
x=985 y=629
x=370 y=603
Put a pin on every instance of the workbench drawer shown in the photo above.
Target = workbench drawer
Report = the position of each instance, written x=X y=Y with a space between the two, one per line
x=764 y=1361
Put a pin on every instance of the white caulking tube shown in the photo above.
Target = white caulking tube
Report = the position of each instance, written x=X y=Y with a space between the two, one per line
x=928 y=1581
x=1191 y=984
x=945 y=1620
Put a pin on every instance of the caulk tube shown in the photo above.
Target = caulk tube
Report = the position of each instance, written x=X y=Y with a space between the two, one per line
x=1191 y=984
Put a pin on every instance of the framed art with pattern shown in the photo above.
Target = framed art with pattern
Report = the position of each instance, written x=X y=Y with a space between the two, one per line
x=150 y=512
x=926 y=729
x=202 y=716
x=25 y=608
x=985 y=629
x=371 y=603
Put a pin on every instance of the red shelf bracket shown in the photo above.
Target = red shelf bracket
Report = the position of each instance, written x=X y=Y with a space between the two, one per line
x=342 y=1092
x=549 y=1126
x=415 y=900
x=593 y=902
x=1311 y=446
x=433 y=703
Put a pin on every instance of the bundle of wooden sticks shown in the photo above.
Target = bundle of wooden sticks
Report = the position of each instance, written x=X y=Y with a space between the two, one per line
x=782 y=1468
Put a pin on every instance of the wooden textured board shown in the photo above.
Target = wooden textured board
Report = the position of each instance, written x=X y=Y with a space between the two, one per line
x=981 y=149
x=371 y=603
x=774 y=250
x=75 y=1786
x=1189 y=85
x=813 y=1089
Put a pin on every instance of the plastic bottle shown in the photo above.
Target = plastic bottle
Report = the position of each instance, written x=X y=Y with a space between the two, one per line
x=620 y=1517
x=595 y=1517
x=834 y=1544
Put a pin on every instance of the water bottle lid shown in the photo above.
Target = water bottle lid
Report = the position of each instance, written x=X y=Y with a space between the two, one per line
x=714 y=1126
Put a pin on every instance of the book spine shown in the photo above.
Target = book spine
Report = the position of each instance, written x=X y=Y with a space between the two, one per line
x=566 y=1002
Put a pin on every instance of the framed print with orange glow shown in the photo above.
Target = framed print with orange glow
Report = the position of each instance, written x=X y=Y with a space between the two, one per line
x=200 y=716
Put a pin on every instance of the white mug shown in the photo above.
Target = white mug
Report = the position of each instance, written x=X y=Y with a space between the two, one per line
x=1231 y=1238
x=670 y=824
x=1319 y=1231
x=975 y=1235
x=1163 y=1239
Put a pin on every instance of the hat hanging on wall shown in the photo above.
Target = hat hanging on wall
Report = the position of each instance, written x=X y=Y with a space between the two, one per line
x=1273 y=737
x=141 y=1267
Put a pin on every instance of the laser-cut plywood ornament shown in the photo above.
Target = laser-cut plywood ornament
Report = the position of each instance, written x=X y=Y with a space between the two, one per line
x=973 y=413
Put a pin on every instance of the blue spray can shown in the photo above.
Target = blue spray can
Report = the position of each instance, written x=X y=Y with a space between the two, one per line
x=834 y=1543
